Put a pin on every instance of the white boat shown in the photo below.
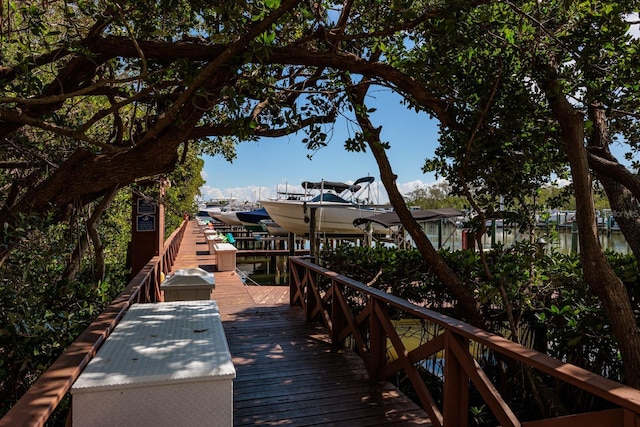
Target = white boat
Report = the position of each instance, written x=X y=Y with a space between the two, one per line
x=213 y=206
x=228 y=217
x=272 y=228
x=334 y=214
x=228 y=213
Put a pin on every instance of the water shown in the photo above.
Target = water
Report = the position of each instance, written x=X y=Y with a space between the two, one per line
x=264 y=270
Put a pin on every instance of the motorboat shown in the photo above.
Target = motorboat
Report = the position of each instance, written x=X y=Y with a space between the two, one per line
x=251 y=219
x=392 y=221
x=229 y=214
x=335 y=206
x=213 y=206
x=228 y=217
x=272 y=228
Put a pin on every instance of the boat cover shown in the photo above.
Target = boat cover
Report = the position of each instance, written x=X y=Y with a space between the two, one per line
x=338 y=187
x=253 y=216
x=389 y=219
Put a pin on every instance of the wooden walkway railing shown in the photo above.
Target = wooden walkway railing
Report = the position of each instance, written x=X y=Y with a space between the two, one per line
x=325 y=296
x=39 y=402
x=368 y=324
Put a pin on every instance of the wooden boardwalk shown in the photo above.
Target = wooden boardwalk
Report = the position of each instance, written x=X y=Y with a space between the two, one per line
x=287 y=371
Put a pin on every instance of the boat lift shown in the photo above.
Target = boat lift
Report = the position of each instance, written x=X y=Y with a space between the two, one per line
x=391 y=220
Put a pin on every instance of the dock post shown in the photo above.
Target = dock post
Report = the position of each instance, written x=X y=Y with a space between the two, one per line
x=292 y=243
x=312 y=234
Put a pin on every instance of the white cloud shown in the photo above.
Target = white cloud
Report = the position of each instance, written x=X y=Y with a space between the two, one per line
x=408 y=187
x=239 y=194
x=561 y=182
x=377 y=193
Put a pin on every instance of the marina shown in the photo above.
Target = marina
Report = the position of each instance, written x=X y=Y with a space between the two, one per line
x=513 y=306
x=327 y=213
x=563 y=240
x=262 y=257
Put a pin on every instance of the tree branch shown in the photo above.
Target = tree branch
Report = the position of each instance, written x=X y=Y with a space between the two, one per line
x=14 y=117
x=470 y=306
x=608 y=166
x=291 y=55
x=229 y=129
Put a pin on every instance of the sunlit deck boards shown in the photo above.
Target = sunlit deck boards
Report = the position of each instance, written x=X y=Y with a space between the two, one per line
x=287 y=372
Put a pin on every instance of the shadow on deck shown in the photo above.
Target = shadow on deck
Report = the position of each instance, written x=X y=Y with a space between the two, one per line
x=288 y=374
x=287 y=371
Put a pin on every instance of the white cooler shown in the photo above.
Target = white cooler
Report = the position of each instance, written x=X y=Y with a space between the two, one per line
x=188 y=284
x=225 y=256
x=165 y=364
x=213 y=239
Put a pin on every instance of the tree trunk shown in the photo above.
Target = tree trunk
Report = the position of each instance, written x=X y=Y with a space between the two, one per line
x=468 y=305
x=597 y=271
x=623 y=203
x=81 y=248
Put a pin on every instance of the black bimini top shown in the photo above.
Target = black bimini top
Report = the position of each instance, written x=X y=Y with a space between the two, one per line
x=338 y=187
x=389 y=219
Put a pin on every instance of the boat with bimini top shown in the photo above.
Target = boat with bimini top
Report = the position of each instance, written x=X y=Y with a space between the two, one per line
x=336 y=205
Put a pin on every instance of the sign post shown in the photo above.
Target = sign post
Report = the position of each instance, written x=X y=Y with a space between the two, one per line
x=147 y=228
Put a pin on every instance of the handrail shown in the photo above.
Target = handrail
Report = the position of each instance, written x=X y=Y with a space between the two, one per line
x=36 y=406
x=330 y=306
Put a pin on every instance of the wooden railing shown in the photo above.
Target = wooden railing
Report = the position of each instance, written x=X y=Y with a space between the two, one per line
x=38 y=403
x=367 y=318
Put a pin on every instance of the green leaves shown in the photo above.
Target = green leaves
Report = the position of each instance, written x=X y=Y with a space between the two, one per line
x=557 y=302
x=272 y=4
x=509 y=35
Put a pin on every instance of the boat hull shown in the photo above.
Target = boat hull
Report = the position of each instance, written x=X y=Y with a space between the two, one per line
x=252 y=217
x=272 y=228
x=228 y=217
x=331 y=218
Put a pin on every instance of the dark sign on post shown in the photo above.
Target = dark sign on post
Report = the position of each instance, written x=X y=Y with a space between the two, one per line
x=146 y=223
x=146 y=207
x=147 y=228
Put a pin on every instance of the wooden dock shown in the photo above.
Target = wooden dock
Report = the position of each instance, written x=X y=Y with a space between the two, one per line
x=287 y=371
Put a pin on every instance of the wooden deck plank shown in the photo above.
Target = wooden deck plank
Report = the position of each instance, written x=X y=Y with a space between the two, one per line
x=287 y=371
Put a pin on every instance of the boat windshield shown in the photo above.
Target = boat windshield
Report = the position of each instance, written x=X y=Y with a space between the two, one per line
x=329 y=197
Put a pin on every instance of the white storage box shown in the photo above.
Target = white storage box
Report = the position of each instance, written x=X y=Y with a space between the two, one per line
x=225 y=256
x=165 y=364
x=188 y=284
x=213 y=239
x=203 y=225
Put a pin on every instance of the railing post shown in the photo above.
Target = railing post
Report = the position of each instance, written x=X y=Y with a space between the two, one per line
x=338 y=318
x=293 y=282
x=309 y=294
x=377 y=341
x=297 y=277
x=157 y=279
x=631 y=419
x=456 y=385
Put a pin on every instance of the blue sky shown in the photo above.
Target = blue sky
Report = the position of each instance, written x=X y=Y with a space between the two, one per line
x=263 y=166
x=260 y=167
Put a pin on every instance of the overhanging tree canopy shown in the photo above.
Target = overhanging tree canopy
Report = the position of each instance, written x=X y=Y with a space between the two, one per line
x=100 y=94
